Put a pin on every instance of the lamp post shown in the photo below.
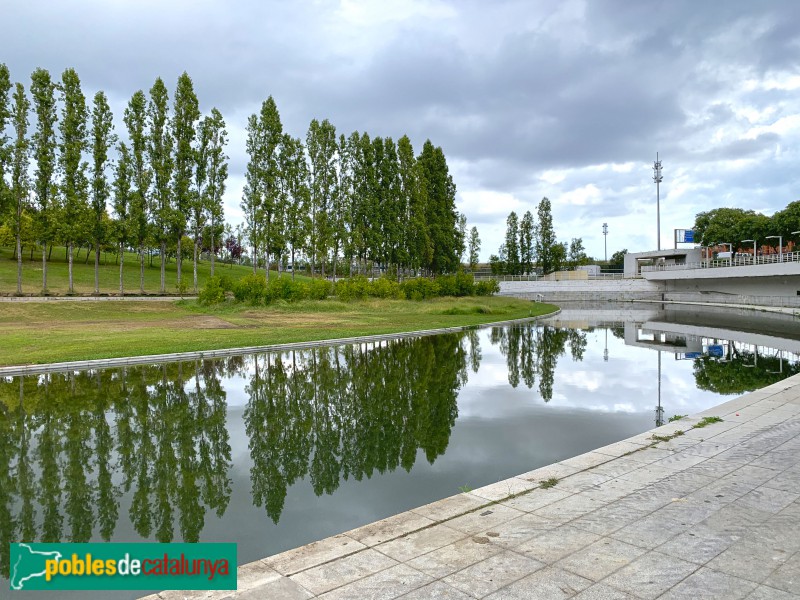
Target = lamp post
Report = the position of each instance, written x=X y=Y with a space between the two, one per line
x=605 y=241
x=755 y=250
x=780 y=245
x=658 y=179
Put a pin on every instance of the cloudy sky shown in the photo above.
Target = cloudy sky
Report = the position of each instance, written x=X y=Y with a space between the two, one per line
x=565 y=99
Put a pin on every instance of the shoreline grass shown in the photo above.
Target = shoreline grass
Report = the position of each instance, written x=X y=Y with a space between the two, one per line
x=39 y=333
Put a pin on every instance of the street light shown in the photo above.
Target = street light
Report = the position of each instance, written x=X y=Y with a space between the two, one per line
x=755 y=251
x=658 y=179
x=780 y=244
x=605 y=241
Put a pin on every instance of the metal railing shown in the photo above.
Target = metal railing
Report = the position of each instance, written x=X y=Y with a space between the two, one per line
x=742 y=260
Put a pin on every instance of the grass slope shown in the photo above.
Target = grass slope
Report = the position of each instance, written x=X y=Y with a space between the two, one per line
x=62 y=331
x=83 y=273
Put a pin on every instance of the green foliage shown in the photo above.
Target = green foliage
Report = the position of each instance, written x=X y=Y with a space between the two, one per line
x=674 y=418
x=319 y=289
x=182 y=287
x=226 y=281
x=385 y=288
x=420 y=288
x=251 y=288
x=355 y=288
x=705 y=421
x=548 y=483
x=213 y=292
x=284 y=288
x=464 y=489
x=487 y=288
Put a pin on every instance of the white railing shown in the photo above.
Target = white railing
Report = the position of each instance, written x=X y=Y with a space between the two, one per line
x=742 y=260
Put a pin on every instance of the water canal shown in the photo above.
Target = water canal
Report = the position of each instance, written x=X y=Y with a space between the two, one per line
x=273 y=451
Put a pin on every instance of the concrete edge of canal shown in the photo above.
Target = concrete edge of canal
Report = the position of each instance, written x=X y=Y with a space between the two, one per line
x=630 y=470
x=148 y=359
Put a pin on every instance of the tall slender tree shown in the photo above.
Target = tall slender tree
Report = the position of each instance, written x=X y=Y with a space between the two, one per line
x=440 y=210
x=413 y=201
x=462 y=237
x=102 y=140
x=272 y=212
x=44 y=152
x=6 y=114
x=123 y=197
x=295 y=170
x=136 y=122
x=322 y=146
x=252 y=197
x=527 y=233
x=185 y=115
x=546 y=251
x=340 y=202
x=74 y=182
x=474 y=248
x=19 y=170
x=512 y=244
x=159 y=150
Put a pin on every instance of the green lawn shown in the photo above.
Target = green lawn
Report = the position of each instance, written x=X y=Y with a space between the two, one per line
x=83 y=273
x=61 y=331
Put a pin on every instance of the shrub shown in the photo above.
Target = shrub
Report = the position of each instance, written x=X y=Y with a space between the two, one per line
x=465 y=284
x=319 y=289
x=283 y=288
x=355 y=288
x=226 y=281
x=420 y=288
x=250 y=288
x=447 y=285
x=385 y=288
x=212 y=292
x=487 y=288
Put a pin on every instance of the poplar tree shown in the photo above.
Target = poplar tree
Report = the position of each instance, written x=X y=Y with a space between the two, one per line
x=159 y=150
x=441 y=213
x=295 y=173
x=6 y=113
x=19 y=170
x=186 y=114
x=527 y=232
x=272 y=212
x=252 y=197
x=462 y=237
x=388 y=205
x=74 y=183
x=546 y=251
x=321 y=145
x=102 y=139
x=474 y=248
x=44 y=152
x=123 y=199
x=340 y=203
x=416 y=234
x=136 y=121
x=512 y=244
x=211 y=173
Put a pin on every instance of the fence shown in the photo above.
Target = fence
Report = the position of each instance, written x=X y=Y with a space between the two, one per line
x=742 y=260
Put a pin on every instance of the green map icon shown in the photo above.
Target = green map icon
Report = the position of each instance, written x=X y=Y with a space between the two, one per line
x=29 y=564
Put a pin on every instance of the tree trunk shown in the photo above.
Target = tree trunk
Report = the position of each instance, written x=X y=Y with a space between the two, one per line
x=213 y=248
x=266 y=266
x=69 y=254
x=50 y=254
x=141 y=269
x=96 y=269
x=121 y=261
x=294 y=266
x=255 y=260
x=163 y=267
x=335 y=256
x=44 y=267
x=195 y=264
x=19 y=266
x=86 y=262
x=180 y=261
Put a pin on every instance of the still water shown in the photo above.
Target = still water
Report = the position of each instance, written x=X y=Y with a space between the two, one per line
x=273 y=451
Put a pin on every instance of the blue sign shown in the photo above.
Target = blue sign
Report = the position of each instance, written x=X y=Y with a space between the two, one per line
x=717 y=351
x=688 y=236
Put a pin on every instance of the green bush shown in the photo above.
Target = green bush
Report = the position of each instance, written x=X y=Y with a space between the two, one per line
x=250 y=288
x=385 y=288
x=420 y=288
x=465 y=284
x=355 y=288
x=226 y=281
x=212 y=292
x=283 y=288
x=319 y=289
x=487 y=288
x=447 y=285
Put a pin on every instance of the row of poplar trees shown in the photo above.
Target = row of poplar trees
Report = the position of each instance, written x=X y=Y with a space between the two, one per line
x=348 y=203
x=167 y=180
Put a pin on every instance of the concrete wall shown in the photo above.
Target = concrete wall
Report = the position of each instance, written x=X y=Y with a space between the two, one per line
x=600 y=289
x=752 y=286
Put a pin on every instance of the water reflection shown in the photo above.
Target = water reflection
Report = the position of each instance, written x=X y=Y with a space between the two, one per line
x=146 y=452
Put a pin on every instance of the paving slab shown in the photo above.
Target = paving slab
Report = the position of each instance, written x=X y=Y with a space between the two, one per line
x=713 y=513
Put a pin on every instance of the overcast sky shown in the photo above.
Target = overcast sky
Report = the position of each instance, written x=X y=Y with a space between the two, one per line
x=565 y=99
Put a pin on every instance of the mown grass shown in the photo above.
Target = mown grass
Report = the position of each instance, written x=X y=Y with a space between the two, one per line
x=35 y=333
x=83 y=273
